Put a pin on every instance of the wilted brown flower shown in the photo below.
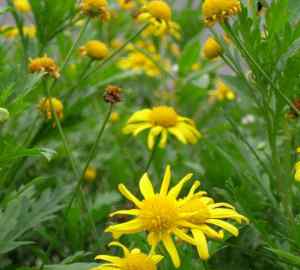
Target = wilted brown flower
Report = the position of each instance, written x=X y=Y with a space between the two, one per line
x=112 y=94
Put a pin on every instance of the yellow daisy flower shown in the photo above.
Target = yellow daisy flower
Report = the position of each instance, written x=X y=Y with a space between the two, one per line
x=221 y=93
x=95 y=8
x=44 y=64
x=211 y=48
x=133 y=259
x=95 y=49
x=162 y=120
x=218 y=10
x=205 y=213
x=22 y=5
x=160 y=214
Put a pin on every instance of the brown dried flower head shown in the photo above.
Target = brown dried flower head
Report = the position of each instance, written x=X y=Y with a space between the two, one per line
x=113 y=94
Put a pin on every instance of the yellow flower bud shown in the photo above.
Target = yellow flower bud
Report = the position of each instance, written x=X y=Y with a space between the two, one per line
x=159 y=10
x=211 y=48
x=95 y=49
x=90 y=174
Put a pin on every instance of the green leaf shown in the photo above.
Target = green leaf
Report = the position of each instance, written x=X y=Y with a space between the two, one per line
x=25 y=212
x=286 y=256
x=190 y=56
x=74 y=266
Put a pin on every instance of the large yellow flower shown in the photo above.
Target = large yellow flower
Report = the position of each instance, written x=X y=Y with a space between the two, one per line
x=132 y=260
x=208 y=214
x=162 y=120
x=160 y=214
x=218 y=10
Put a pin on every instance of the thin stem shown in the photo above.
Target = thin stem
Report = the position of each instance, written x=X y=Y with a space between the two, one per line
x=19 y=24
x=62 y=134
x=272 y=124
x=152 y=154
x=72 y=162
x=252 y=150
x=258 y=66
x=74 y=46
x=91 y=155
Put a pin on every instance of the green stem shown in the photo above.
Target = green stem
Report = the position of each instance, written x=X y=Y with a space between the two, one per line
x=152 y=154
x=74 y=46
x=72 y=161
x=272 y=124
x=19 y=24
x=91 y=155
x=258 y=66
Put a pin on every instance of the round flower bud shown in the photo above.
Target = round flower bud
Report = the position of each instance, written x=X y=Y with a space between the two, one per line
x=95 y=49
x=90 y=174
x=159 y=10
x=211 y=48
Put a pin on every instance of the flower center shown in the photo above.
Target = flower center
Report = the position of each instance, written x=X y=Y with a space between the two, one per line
x=163 y=116
x=200 y=209
x=159 y=213
x=138 y=261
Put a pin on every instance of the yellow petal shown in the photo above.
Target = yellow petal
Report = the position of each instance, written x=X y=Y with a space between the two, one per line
x=211 y=233
x=132 y=226
x=225 y=225
x=164 y=138
x=141 y=128
x=156 y=258
x=183 y=236
x=153 y=238
x=131 y=212
x=140 y=116
x=217 y=205
x=177 y=133
x=146 y=187
x=154 y=132
x=128 y=195
x=174 y=192
x=166 y=181
x=107 y=258
x=171 y=248
x=194 y=187
x=202 y=247
x=136 y=129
